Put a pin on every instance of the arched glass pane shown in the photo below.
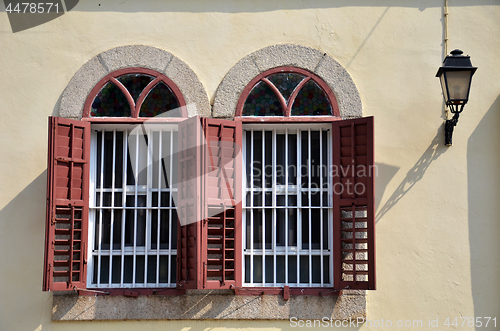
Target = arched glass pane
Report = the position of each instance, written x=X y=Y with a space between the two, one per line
x=286 y=82
x=160 y=100
x=262 y=102
x=135 y=83
x=311 y=100
x=110 y=102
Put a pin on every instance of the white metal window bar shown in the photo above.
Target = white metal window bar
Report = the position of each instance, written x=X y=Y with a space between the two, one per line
x=133 y=219
x=288 y=216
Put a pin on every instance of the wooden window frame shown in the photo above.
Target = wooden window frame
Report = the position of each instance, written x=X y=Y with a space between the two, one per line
x=287 y=107
x=134 y=107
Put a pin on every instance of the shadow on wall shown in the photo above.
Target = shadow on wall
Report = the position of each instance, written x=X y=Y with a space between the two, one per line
x=22 y=236
x=483 y=159
x=416 y=173
x=224 y=6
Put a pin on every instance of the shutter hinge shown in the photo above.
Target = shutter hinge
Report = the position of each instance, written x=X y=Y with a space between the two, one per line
x=53 y=220
x=53 y=245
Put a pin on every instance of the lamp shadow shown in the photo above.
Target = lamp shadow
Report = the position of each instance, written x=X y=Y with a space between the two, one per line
x=483 y=185
x=415 y=174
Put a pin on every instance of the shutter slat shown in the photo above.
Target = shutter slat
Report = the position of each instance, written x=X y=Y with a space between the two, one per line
x=67 y=204
x=354 y=222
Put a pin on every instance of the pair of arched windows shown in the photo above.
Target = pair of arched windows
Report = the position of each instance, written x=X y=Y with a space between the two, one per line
x=142 y=93
x=273 y=215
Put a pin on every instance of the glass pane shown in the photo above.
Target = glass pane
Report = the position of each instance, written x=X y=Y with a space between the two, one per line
x=247 y=268
x=316 y=269
x=173 y=268
x=152 y=269
x=139 y=268
x=248 y=150
x=311 y=100
x=316 y=166
x=292 y=227
x=262 y=102
x=257 y=159
x=160 y=100
x=110 y=102
x=280 y=269
x=268 y=226
x=163 y=269
x=292 y=159
x=257 y=229
x=304 y=269
x=128 y=263
x=135 y=83
x=280 y=159
x=257 y=269
x=117 y=269
x=268 y=159
x=269 y=269
x=292 y=269
x=286 y=82
x=458 y=84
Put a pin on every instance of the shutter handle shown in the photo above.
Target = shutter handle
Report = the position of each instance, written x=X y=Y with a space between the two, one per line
x=85 y=253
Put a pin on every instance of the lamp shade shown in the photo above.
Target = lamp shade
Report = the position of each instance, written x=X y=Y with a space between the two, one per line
x=456 y=75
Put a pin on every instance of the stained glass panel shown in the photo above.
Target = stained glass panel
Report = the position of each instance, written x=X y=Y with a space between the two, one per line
x=286 y=82
x=262 y=102
x=135 y=83
x=160 y=100
x=311 y=100
x=110 y=102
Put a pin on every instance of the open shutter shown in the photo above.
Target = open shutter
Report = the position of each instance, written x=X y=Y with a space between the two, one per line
x=354 y=221
x=209 y=204
x=222 y=201
x=67 y=205
x=189 y=204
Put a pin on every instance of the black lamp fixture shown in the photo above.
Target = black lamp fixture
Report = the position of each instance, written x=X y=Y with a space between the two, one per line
x=456 y=76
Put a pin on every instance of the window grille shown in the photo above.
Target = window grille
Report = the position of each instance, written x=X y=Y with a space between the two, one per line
x=288 y=215
x=133 y=219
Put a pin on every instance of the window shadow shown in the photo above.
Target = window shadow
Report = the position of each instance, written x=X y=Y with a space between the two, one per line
x=483 y=159
x=22 y=237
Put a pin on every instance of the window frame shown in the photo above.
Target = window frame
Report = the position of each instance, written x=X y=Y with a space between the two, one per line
x=284 y=250
x=287 y=119
x=287 y=108
x=95 y=207
x=134 y=119
x=134 y=107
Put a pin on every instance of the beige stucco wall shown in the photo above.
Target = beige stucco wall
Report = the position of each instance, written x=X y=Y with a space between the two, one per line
x=437 y=207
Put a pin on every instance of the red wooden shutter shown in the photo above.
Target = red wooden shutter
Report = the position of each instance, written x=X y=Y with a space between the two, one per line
x=221 y=227
x=67 y=205
x=189 y=204
x=354 y=221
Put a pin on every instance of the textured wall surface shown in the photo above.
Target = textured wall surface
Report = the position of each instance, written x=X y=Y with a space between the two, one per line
x=437 y=207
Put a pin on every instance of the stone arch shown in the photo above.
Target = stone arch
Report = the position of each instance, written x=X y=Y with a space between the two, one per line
x=320 y=63
x=74 y=96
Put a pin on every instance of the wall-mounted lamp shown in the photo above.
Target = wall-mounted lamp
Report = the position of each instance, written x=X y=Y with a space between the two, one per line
x=455 y=75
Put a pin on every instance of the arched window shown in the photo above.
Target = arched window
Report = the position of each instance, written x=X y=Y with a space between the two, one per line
x=135 y=93
x=132 y=215
x=287 y=92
